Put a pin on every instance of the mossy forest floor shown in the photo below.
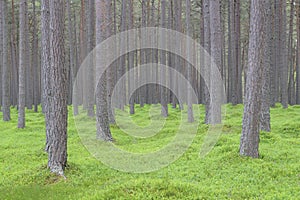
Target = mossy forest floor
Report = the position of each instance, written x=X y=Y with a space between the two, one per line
x=222 y=174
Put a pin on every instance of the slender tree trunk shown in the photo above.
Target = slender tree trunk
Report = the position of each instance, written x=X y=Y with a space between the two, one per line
x=189 y=67
x=216 y=55
x=90 y=46
x=265 y=99
x=6 y=67
x=23 y=64
x=283 y=56
x=291 y=87
x=163 y=91
x=207 y=40
x=36 y=77
x=72 y=57
x=14 y=58
x=298 y=56
x=250 y=133
x=131 y=59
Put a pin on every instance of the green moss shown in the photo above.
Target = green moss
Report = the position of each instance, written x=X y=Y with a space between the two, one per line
x=222 y=174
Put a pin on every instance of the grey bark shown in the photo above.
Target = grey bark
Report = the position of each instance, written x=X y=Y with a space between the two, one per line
x=45 y=64
x=283 y=56
x=189 y=67
x=216 y=56
x=23 y=64
x=163 y=90
x=90 y=15
x=291 y=87
x=1 y=53
x=250 y=131
x=265 y=124
x=298 y=56
x=103 y=130
x=36 y=66
x=5 y=64
x=57 y=91
x=206 y=16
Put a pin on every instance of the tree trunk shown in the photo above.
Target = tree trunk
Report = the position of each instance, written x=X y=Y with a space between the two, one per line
x=45 y=60
x=36 y=77
x=23 y=62
x=103 y=130
x=216 y=56
x=250 y=133
x=163 y=90
x=298 y=56
x=265 y=99
x=57 y=78
x=90 y=46
x=6 y=67
x=283 y=56
x=207 y=39
x=291 y=87
x=189 y=67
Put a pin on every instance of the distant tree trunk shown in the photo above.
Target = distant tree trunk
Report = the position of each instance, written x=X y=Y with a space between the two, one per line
x=36 y=77
x=189 y=67
x=163 y=90
x=216 y=55
x=266 y=63
x=23 y=62
x=291 y=87
x=57 y=91
x=207 y=39
x=283 y=56
x=131 y=59
x=298 y=56
x=28 y=69
x=72 y=53
x=6 y=67
x=231 y=84
x=103 y=130
x=90 y=46
x=250 y=133
x=238 y=76
x=14 y=58
x=276 y=67
x=142 y=90
x=1 y=54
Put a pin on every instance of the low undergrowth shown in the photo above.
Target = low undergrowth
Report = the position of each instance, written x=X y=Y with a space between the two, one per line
x=222 y=174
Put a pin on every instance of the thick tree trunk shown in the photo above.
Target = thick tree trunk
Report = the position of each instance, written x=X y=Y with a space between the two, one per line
x=250 y=133
x=103 y=130
x=57 y=91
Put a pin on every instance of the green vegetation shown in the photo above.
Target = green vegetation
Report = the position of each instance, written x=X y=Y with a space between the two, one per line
x=222 y=174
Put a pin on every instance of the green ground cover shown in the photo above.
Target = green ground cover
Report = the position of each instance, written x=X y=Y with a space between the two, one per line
x=222 y=174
